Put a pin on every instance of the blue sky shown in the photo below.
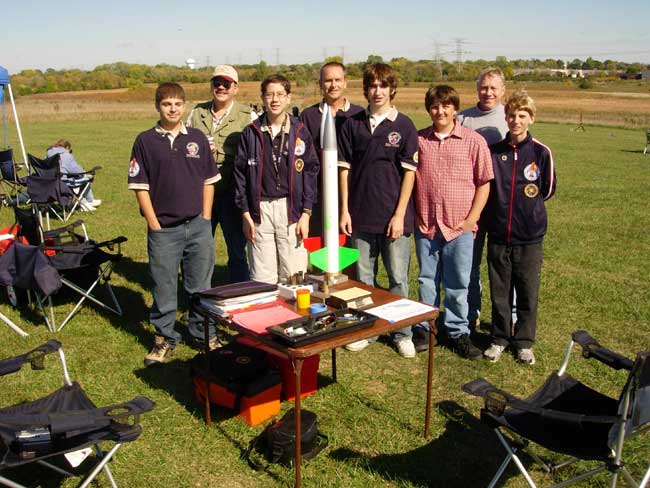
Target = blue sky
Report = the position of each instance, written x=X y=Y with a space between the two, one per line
x=84 y=34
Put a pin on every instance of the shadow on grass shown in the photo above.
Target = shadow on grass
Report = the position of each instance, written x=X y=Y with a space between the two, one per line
x=467 y=453
x=633 y=151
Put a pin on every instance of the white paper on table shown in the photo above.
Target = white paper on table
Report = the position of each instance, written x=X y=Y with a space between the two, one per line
x=400 y=310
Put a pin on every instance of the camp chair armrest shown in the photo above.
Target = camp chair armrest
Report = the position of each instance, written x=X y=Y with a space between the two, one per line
x=591 y=348
x=73 y=422
x=90 y=172
x=496 y=401
x=118 y=240
x=35 y=357
x=62 y=230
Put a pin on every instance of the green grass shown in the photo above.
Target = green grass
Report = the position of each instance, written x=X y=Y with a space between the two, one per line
x=594 y=277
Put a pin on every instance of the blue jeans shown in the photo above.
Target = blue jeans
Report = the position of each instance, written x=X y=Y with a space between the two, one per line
x=226 y=213
x=449 y=264
x=190 y=244
x=396 y=256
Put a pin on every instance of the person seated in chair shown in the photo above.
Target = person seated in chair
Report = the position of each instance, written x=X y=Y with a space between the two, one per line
x=69 y=166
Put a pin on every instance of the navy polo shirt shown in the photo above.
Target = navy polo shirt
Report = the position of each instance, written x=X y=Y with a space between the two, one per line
x=174 y=173
x=377 y=161
x=275 y=185
x=312 y=115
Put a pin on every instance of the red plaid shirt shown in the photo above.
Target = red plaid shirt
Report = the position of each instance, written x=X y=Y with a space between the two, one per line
x=449 y=171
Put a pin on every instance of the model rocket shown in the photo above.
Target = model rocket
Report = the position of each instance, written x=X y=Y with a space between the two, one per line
x=332 y=258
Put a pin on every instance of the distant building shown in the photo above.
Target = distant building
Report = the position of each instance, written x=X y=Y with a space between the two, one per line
x=645 y=74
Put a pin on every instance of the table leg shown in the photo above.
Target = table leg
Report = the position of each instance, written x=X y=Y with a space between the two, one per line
x=427 y=411
x=334 y=364
x=297 y=401
x=206 y=350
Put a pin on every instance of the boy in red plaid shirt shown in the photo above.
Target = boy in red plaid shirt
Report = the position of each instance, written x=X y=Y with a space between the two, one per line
x=452 y=184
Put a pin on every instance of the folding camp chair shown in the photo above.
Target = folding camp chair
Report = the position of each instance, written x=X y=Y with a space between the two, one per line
x=647 y=141
x=12 y=186
x=63 y=257
x=570 y=418
x=6 y=241
x=65 y=424
x=78 y=183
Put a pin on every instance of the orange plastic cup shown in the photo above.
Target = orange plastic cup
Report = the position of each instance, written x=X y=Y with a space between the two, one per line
x=303 y=298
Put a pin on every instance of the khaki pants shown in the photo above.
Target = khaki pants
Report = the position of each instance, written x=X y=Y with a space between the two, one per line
x=276 y=254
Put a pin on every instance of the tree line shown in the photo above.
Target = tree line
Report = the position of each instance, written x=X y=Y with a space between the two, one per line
x=127 y=75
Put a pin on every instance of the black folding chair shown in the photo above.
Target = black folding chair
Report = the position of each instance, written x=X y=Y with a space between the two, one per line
x=64 y=426
x=568 y=417
x=78 y=183
x=12 y=186
x=63 y=257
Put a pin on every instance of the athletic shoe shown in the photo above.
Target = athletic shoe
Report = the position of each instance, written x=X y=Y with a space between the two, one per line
x=421 y=339
x=493 y=353
x=406 y=349
x=526 y=356
x=159 y=353
x=358 y=345
x=213 y=343
x=86 y=207
x=94 y=203
x=463 y=346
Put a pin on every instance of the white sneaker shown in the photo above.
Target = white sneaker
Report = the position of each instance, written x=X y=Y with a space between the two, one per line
x=357 y=346
x=86 y=207
x=94 y=203
x=526 y=356
x=493 y=353
x=406 y=348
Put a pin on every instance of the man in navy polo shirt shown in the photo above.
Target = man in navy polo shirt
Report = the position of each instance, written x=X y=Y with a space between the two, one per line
x=173 y=173
x=377 y=161
x=332 y=85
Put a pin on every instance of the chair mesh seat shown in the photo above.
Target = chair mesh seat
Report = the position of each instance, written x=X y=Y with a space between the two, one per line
x=64 y=401
x=586 y=440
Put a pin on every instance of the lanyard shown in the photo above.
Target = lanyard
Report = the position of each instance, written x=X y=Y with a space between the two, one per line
x=277 y=158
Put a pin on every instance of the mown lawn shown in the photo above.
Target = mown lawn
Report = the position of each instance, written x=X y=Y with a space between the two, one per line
x=594 y=277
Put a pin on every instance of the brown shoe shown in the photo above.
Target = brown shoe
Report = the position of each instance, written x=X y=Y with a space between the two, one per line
x=159 y=353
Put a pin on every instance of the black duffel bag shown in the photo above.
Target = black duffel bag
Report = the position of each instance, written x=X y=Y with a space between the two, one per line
x=278 y=441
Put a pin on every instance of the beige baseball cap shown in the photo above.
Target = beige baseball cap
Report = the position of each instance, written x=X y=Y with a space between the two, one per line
x=226 y=71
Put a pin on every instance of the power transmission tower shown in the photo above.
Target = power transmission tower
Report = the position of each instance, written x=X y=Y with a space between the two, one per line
x=259 y=55
x=277 y=56
x=324 y=54
x=437 y=58
x=459 y=53
x=342 y=54
x=207 y=60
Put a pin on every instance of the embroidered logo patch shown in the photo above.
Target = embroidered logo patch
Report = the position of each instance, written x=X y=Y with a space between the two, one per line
x=415 y=156
x=394 y=138
x=300 y=164
x=300 y=147
x=504 y=157
x=531 y=172
x=531 y=190
x=192 y=150
x=134 y=168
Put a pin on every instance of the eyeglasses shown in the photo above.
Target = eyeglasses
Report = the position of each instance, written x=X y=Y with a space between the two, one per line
x=216 y=83
x=271 y=96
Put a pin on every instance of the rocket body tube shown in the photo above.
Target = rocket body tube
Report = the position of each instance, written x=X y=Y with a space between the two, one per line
x=330 y=190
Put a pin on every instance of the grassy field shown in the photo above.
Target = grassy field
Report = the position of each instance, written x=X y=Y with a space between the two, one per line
x=622 y=103
x=594 y=277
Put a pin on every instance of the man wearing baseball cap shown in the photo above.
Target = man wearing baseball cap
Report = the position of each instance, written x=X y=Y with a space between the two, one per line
x=222 y=119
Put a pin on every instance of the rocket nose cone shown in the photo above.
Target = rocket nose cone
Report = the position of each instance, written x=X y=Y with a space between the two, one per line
x=329 y=132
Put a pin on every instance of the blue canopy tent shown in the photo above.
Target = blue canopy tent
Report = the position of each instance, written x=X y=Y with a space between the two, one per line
x=5 y=82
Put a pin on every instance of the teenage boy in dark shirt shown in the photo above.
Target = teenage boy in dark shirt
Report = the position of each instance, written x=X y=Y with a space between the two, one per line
x=276 y=170
x=172 y=172
x=377 y=161
x=515 y=217
x=332 y=85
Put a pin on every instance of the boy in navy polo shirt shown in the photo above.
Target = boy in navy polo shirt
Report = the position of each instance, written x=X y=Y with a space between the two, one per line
x=332 y=86
x=172 y=172
x=515 y=217
x=276 y=170
x=377 y=161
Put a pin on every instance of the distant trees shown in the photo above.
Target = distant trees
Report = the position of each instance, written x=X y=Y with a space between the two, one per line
x=127 y=75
